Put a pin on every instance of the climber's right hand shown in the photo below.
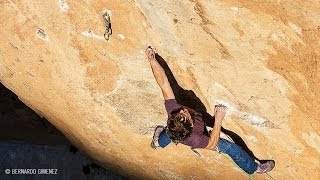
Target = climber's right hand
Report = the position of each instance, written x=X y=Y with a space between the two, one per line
x=150 y=53
x=220 y=111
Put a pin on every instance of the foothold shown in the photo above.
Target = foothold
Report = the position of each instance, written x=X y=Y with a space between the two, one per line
x=108 y=32
x=121 y=36
x=41 y=34
x=235 y=10
x=63 y=5
x=252 y=138
x=90 y=34
x=295 y=28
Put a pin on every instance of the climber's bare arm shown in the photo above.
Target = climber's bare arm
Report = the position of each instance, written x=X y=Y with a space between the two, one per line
x=220 y=112
x=159 y=75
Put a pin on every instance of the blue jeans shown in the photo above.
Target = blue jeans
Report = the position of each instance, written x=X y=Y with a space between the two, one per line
x=238 y=155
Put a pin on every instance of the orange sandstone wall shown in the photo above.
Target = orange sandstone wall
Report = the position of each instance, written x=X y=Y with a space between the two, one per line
x=260 y=58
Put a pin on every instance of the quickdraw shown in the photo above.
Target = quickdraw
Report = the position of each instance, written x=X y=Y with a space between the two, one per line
x=108 y=32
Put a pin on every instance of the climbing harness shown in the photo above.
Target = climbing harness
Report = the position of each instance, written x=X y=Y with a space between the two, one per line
x=108 y=32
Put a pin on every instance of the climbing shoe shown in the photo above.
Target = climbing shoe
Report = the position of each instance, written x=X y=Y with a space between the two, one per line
x=265 y=167
x=157 y=131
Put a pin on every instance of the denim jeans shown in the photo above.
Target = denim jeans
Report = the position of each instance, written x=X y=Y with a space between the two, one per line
x=238 y=155
x=164 y=139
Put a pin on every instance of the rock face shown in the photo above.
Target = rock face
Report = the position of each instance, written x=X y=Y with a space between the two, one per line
x=260 y=58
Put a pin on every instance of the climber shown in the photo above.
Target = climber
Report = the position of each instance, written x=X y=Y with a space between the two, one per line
x=186 y=126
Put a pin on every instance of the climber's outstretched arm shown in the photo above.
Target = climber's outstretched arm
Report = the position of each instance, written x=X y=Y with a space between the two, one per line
x=159 y=75
x=220 y=112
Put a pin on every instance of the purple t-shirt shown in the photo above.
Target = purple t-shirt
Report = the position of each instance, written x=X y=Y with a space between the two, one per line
x=199 y=136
